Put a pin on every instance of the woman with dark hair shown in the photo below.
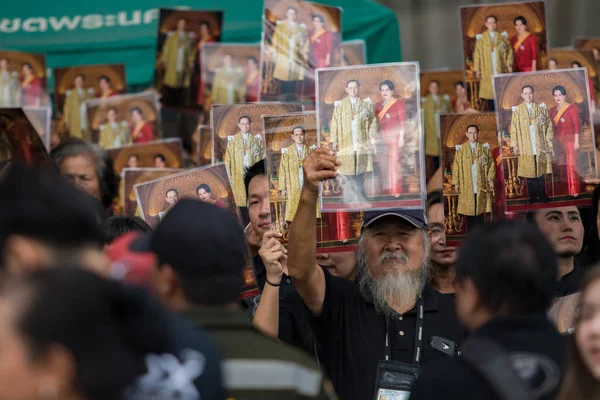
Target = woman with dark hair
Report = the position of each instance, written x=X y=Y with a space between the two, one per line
x=31 y=87
x=321 y=44
x=391 y=115
x=582 y=378
x=525 y=47
x=69 y=334
x=565 y=120
x=89 y=168
x=141 y=130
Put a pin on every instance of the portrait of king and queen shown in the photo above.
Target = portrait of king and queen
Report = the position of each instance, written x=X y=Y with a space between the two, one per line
x=22 y=80
x=370 y=116
x=473 y=191
x=238 y=141
x=548 y=141
x=178 y=68
x=299 y=37
x=499 y=39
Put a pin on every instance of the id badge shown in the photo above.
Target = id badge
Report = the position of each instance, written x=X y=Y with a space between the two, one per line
x=394 y=380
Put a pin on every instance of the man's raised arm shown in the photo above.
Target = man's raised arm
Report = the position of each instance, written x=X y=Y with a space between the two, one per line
x=308 y=277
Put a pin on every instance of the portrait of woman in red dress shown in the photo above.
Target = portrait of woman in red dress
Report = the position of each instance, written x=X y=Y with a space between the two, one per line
x=565 y=119
x=252 y=80
x=391 y=114
x=205 y=37
x=141 y=130
x=31 y=87
x=525 y=47
x=106 y=89
x=321 y=44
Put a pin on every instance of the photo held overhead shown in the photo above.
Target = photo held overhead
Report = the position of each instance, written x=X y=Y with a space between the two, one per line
x=371 y=117
x=23 y=80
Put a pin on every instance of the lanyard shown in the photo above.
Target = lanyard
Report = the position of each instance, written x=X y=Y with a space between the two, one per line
x=418 y=335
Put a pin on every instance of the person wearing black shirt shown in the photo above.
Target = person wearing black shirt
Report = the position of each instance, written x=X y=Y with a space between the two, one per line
x=504 y=276
x=358 y=325
x=563 y=228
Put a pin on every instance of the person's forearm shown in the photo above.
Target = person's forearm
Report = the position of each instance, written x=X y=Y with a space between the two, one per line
x=302 y=243
x=266 y=318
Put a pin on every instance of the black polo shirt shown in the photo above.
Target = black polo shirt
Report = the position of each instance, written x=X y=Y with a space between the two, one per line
x=570 y=283
x=287 y=286
x=529 y=336
x=350 y=335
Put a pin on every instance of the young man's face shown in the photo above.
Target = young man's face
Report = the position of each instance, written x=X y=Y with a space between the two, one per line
x=244 y=125
x=472 y=134
x=259 y=208
x=563 y=228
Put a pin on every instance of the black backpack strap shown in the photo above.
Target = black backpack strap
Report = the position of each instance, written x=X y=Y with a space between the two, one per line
x=492 y=362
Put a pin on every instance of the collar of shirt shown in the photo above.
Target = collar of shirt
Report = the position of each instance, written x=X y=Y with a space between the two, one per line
x=493 y=34
x=218 y=317
x=473 y=145
x=245 y=135
x=353 y=100
x=430 y=300
x=529 y=105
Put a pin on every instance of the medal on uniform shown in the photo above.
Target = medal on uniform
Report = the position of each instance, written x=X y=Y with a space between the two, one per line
x=318 y=40
x=387 y=115
x=562 y=120
x=522 y=47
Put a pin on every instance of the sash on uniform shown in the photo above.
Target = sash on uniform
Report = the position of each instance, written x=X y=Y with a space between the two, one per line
x=104 y=96
x=138 y=128
x=560 y=113
x=317 y=35
x=518 y=44
x=382 y=113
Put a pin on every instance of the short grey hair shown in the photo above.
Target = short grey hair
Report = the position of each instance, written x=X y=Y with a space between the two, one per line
x=76 y=147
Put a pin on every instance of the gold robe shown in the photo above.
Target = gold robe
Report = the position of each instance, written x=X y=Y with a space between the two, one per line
x=483 y=61
x=229 y=86
x=291 y=46
x=75 y=112
x=357 y=160
x=238 y=157
x=431 y=112
x=462 y=175
x=114 y=136
x=291 y=177
x=521 y=138
x=177 y=54
x=9 y=89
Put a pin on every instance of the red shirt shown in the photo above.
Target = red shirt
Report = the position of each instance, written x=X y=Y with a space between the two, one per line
x=320 y=47
x=393 y=119
x=111 y=94
x=568 y=124
x=253 y=89
x=31 y=93
x=144 y=135
x=525 y=54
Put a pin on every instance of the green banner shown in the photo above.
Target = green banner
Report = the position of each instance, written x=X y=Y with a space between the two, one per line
x=71 y=32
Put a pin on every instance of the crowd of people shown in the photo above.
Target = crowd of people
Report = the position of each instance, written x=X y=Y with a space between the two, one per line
x=97 y=307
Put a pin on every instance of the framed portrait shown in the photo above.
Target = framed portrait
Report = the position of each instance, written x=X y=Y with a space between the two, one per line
x=230 y=73
x=209 y=184
x=41 y=119
x=133 y=176
x=73 y=86
x=471 y=160
x=25 y=82
x=545 y=119
x=159 y=154
x=499 y=39
x=237 y=138
x=571 y=58
x=19 y=140
x=203 y=145
x=338 y=231
x=298 y=38
x=371 y=116
x=355 y=52
x=122 y=120
x=180 y=38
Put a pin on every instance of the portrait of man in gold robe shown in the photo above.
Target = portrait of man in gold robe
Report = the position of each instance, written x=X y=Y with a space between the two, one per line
x=177 y=56
x=291 y=174
x=229 y=85
x=74 y=111
x=352 y=130
x=243 y=150
x=531 y=137
x=9 y=85
x=171 y=197
x=114 y=133
x=433 y=105
x=493 y=55
x=473 y=173
x=290 y=52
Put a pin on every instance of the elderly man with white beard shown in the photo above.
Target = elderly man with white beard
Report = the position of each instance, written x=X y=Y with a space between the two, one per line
x=372 y=335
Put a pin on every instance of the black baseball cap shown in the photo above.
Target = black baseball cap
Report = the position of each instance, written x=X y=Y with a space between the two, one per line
x=415 y=216
x=204 y=244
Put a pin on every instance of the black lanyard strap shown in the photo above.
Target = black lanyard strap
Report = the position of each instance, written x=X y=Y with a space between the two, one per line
x=418 y=335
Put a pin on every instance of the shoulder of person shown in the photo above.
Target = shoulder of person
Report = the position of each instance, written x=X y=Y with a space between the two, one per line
x=258 y=137
x=313 y=147
x=515 y=108
x=284 y=150
x=229 y=138
x=478 y=36
x=505 y=34
x=458 y=147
